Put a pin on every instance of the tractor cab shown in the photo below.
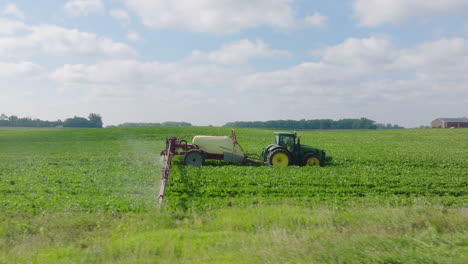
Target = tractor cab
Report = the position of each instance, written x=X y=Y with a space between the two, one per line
x=288 y=150
x=287 y=140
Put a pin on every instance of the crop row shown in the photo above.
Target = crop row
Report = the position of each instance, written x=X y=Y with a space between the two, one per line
x=118 y=170
x=205 y=186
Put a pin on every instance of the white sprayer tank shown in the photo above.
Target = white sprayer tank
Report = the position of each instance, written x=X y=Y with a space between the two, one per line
x=218 y=145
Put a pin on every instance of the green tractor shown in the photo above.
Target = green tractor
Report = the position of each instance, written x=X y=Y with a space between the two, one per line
x=287 y=150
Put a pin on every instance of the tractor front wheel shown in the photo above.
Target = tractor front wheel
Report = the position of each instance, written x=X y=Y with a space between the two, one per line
x=194 y=157
x=279 y=158
x=312 y=160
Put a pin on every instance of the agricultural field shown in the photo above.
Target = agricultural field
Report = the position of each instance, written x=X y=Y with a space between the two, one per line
x=90 y=196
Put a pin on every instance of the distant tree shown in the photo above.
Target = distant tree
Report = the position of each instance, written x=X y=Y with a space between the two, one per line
x=168 y=123
x=77 y=122
x=96 y=120
x=13 y=120
x=362 y=123
x=93 y=121
x=173 y=123
x=4 y=120
x=387 y=126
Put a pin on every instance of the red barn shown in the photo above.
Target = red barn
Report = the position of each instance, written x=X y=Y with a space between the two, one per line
x=450 y=122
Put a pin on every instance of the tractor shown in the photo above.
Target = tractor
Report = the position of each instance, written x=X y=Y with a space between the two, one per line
x=288 y=150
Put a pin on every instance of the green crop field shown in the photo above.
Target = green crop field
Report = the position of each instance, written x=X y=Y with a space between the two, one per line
x=90 y=196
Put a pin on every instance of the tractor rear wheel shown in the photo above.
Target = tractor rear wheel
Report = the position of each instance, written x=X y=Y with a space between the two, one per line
x=279 y=158
x=194 y=157
x=312 y=160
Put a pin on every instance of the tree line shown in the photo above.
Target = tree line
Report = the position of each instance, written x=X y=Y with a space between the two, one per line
x=93 y=121
x=168 y=123
x=362 y=123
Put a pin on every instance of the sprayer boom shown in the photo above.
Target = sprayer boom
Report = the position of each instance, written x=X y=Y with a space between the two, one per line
x=203 y=148
x=168 y=154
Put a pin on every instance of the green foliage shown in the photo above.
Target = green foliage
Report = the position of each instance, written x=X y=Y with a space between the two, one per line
x=14 y=121
x=167 y=123
x=372 y=167
x=260 y=234
x=45 y=171
x=89 y=196
x=117 y=170
x=390 y=126
x=93 y=121
x=362 y=123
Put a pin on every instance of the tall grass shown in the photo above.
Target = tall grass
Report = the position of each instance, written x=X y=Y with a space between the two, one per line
x=262 y=234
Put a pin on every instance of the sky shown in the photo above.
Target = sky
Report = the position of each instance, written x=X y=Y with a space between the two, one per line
x=209 y=62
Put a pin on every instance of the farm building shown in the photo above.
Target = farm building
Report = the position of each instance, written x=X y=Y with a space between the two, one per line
x=450 y=122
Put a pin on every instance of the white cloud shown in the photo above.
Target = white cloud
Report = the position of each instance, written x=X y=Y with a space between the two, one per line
x=359 y=73
x=373 y=55
x=119 y=14
x=316 y=20
x=12 y=10
x=305 y=77
x=150 y=87
x=360 y=55
x=444 y=60
x=357 y=77
x=19 y=70
x=218 y=16
x=133 y=36
x=135 y=74
x=9 y=27
x=15 y=46
x=238 y=52
x=58 y=40
x=83 y=7
x=61 y=40
x=372 y=13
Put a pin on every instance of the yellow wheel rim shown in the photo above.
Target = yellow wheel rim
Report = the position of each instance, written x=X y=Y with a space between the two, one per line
x=312 y=161
x=280 y=160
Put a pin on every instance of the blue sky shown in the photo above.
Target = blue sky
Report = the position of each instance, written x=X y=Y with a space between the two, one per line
x=216 y=61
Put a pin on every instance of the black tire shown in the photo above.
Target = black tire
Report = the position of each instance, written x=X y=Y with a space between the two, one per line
x=194 y=157
x=307 y=160
x=272 y=158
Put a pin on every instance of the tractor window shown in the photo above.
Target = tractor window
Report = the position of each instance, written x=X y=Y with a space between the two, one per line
x=287 y=142
x=290 y=143
x=277 y=139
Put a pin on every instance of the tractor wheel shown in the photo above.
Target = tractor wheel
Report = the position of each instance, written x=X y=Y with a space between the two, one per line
x=279 y=158
x=312 y=160
x=194 y=157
